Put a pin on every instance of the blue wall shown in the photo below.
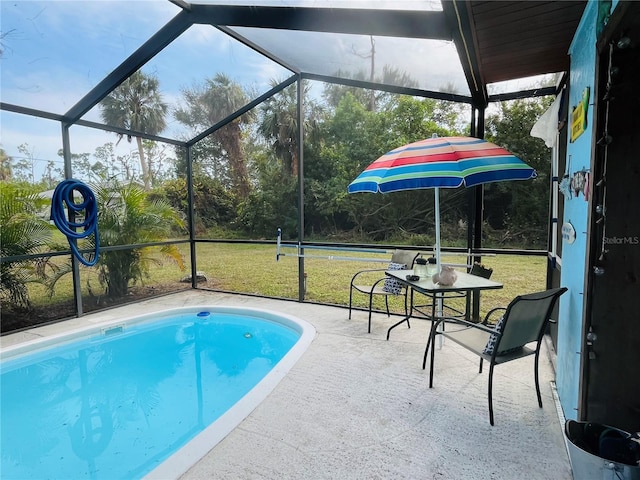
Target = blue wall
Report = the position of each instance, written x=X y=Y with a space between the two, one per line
x=571 y=309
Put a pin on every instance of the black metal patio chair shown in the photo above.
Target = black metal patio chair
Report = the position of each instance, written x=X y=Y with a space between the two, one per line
x=524 y=321
x=449 y=308
x=384 y=286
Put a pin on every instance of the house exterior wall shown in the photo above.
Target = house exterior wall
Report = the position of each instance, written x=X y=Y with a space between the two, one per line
x=574 y=255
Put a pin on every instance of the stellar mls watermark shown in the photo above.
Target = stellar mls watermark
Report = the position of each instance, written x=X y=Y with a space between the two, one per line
x=622 y=240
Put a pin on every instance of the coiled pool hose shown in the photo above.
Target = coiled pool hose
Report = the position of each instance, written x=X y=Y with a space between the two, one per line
x=63 y=197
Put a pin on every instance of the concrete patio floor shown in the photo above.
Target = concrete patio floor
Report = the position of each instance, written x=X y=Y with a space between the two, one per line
x=356 y=406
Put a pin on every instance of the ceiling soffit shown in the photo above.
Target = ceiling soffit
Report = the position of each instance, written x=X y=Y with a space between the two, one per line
x=515 y=39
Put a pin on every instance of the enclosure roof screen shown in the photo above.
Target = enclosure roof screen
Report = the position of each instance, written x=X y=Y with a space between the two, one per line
x=65 y=57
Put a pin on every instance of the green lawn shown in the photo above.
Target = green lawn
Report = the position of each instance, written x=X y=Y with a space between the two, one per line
x=253 y=269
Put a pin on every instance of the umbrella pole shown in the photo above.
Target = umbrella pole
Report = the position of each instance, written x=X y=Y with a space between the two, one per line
x=437 y=213
x=437 y=298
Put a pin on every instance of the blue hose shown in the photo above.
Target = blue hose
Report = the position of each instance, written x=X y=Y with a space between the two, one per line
x=63 y=196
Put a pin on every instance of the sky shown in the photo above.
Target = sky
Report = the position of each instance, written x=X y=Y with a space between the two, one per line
x=55 y=51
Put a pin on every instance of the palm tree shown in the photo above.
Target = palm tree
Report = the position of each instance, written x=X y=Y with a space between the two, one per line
x=280 y=124
x=23 y=233
x=126 y=216
x=206 y=105
x=137 y=105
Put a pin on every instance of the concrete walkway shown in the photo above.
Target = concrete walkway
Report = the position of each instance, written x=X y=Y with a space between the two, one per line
x=356 y=406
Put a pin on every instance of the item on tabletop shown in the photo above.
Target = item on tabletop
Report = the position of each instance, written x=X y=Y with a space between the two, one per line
x=432 y=266
x=420 y=268
x=446 y=277
x=413 y=278
x=481 y=270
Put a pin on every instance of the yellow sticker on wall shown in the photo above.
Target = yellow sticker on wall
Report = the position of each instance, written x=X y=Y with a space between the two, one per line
x=579 y=116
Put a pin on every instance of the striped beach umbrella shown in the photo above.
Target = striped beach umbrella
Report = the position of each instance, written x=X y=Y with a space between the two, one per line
x=441 y=162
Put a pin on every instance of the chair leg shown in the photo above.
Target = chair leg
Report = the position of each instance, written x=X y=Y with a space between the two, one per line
x=430 y=340
x=467 y=313
x=370 y=307
x=426 y=350
x=407 y=313
x=537 y=379
x=386 y=303
x=350 y=299
x=433 y=353
x=480 y=370
x=490 y=394
x=406 y=298
x=431 y=343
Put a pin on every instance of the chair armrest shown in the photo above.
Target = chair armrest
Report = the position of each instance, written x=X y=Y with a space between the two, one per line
x=491 y=312
x=367 y=271
x=375 y=284
x=465 y=323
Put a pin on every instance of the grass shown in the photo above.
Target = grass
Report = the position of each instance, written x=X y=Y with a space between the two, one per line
x=163 y=272
x=252 y=269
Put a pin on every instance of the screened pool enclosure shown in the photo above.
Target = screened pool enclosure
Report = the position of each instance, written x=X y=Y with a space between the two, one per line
x=184 y=119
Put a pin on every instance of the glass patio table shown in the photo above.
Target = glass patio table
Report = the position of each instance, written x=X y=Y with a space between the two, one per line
x=464 y=283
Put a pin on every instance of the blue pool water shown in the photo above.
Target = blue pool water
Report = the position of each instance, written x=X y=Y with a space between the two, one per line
x=120 y=402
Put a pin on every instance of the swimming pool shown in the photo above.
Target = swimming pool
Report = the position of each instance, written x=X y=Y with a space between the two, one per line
x=142 y=397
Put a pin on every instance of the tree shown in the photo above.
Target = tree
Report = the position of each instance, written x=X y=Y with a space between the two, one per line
x=521 y=209
x=6 y=169
x=372 y=100
x=353 y=138
x=279 y=124
x=23 y=233
x=80 y=164
x=127 y=217
x=274 y=204
x=214 y=205
x=23 y=167
x=51 y=175
x=208 y=104
x=157 y=158
x=137 y=105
